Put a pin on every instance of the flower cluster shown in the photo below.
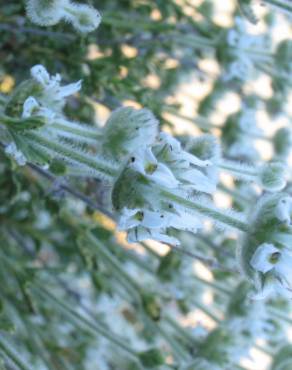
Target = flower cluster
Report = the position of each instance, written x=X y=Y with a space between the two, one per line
x=137 y=194
x=244 y=50
x=265 y=256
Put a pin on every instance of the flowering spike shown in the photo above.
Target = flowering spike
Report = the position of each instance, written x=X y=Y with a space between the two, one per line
x=265 y=255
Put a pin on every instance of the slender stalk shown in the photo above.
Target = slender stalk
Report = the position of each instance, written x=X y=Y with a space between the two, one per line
x=94 y=163
x=79 y=131
x=70 y=190
x=91 y=326
x=180 y=330
x=134 y=23
x=16 y=28
x=179 y=352
x=238 y=169
x=234 y=193
x=12 y=354
x=280 y=315
x=215 y=214
x=201 y=122
x=206 y=260
x=132 y=285
x=194 y=41
x=213 y=285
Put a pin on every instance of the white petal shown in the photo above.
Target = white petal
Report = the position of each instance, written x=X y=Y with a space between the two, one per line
x=284 y=269
x=163 y=238
x=127 y=219
x=232 y=38
x=261 y=259
x=195 y=160
x=283 y=209
x=149 y=157
x=29 y=106
x=69 y=89
x=198 y=180
x=40 y=74
x=185 y=221
x=163 y=176
x=152 y=219
x=171 y=141
x=143 y=158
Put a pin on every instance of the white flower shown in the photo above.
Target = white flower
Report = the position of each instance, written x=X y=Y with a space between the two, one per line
x=233 y=38
x=53 y=94
x=240 y=69
x=40 y=74
x=32 y=107
x=182 y=220
x=247 y=121
x=12 y=151
x=186 y=167
x=283 y=210
x=145 y=163
x=176 y=153
x=130 y=218
x=198 y=181
x=268 y=259
x=263 y=259
x=242 y=148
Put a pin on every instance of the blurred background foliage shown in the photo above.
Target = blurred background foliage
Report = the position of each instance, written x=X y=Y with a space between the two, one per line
x=74 y=294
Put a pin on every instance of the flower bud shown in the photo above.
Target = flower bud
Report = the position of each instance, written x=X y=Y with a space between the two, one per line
x=264 y=256
x=282 y=141
x=126 y=130
x=272 y=176
x=45 y=12
x=83 y=18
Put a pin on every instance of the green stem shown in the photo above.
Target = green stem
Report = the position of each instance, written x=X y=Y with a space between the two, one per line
x=77 y=130
x=201 y=122
x=179 y=352
x=180 y=330
x=12 y=354
x=112 y=261
x=280 y=315
x=203 y=308
x=91 y=326
x=234 y=193
x=60 y=149
x=134 y=23
x=194 y=41
x=206 y=210
x=238 y=169
x=213 y=285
